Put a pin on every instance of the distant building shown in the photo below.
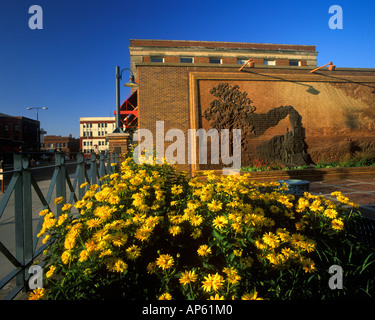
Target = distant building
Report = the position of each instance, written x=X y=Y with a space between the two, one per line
x=69 y=144
x=93 y=131
x=19 y=133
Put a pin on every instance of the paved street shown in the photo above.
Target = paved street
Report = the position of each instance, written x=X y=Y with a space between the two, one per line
x=360 y=191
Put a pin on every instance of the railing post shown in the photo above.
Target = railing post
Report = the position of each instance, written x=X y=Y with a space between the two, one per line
x=102 y=164
x=27 y=211
x=93 y=169
x=60 y=181
x=108 y=160
x=18 y=217
x=81 y=174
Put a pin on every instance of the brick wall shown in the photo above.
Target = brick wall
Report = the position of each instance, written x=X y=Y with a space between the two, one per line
x=213 y=44
x=337 y=115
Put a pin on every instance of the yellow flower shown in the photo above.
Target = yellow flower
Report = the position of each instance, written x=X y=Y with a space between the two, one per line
x=330 y=213
x=214 y=206
x=216 y=297
x=66 y=207
x=59 y=200
x=308 y=265
x=84 y=185
x=114 y=199
x=275 y=209
x=133 y=252
x=151 y=267
x=93 y=223
x=65 y=257
x=119 y=239
x=165 y=296
x=204 y=250
x=302 y=204
x=232 y=275
x=106 y=252
x=238 y=252
x=175 y=230
x=43 y=212
x=176 y=190
x=51 y=271
x=337 y=224
x=316 y=205
x=46 y=238
x=94 y=187
x=219 y=222
x=117 y=265
x=164 y=261
x=196 y=220
x=83 y=256
x=143 y=233
x=213 y=282
x=187 y=277
x=196 y=233
x=271 y=239
x=79 y=204
x=37 y=294
x=251 y=296
x=62 y=219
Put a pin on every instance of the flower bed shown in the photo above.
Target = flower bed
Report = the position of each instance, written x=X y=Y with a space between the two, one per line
x=149 y=232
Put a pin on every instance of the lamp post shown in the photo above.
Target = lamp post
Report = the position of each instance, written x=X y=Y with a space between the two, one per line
x=37 y=108
x=132 y=84
x=37 y=119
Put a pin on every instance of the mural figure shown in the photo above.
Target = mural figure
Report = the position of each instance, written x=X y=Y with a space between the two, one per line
x=232 y=109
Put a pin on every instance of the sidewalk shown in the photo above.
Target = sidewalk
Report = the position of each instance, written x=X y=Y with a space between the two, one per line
x=360 y=191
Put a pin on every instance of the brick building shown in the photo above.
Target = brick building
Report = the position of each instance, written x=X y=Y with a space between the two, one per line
x=291 y=115
x=18 y=133
x=93 y=131
x=69 y=144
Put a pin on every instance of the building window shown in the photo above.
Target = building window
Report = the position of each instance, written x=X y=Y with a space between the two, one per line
x=215 y=60
x=242 y=61
x=294 y=63
x=156 y=59
x=269 y=62
x=186 y=60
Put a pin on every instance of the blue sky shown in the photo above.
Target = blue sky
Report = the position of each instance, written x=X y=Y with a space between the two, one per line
x=69 y=65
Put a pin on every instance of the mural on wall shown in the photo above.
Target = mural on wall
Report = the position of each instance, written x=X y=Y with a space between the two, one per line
x=232 y=109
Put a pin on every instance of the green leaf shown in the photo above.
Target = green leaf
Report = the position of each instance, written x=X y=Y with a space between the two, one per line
x=217 y=235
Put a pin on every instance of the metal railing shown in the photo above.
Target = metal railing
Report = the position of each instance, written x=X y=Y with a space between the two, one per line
x=19 y=190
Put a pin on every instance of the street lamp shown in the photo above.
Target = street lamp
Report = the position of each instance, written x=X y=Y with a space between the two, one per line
x=37 y=108
x=37 y=120
x=131 y=84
